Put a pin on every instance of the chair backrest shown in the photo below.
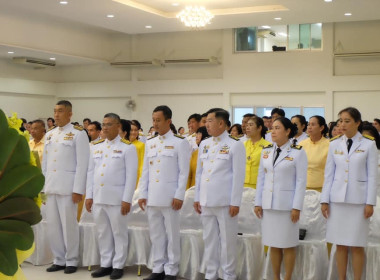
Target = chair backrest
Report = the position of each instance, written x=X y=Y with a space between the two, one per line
x=374 y=225
x=188 y=217
x=137 y=217
x=311 y=217
x=248 y=222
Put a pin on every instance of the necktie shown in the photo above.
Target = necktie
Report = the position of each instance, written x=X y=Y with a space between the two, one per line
x=349 y=144
x=278 y=153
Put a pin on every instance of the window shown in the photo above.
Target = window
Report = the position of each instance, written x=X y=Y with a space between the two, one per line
x=279 y=38
x=239 y=112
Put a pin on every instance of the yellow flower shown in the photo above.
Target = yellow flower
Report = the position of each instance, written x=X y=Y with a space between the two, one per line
x=14 y=122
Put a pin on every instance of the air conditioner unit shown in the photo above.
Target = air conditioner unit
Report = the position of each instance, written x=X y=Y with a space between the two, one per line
x=133 y=63
x=33 y=61
x=162 y=63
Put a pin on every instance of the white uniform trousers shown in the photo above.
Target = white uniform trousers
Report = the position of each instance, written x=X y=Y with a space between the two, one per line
x=63 y=230
x=220 y=239
x=165 y=236
x=112 y=230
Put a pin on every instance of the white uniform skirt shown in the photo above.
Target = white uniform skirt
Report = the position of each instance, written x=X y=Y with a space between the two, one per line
x=278 y=230
x=346 y=225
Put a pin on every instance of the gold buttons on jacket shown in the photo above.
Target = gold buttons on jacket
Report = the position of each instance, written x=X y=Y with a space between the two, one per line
x=157 y=180
x=101 y=185
x=102 y=174
x=104 y=165
x=207 y=179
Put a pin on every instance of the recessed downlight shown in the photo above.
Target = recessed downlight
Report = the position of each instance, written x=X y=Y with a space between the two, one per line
x=63 y=2
x=110 y=16
x=348 y=14
x=277 y=18
x=328 y=1
x=265 y=26
x=52 y=58
x=148 y=26
x=10 y=52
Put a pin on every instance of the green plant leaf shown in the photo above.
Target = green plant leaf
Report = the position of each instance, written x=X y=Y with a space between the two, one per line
x=8 y=260
x=21 y=209
x=16 y=233
x=3 y=122
x=26 y=180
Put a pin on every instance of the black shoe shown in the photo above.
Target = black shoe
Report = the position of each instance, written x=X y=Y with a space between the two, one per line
x=101 y=272
x=70 y=269
x=55 y=267
x=170 y=277
x=116 y=273
x=156 y=276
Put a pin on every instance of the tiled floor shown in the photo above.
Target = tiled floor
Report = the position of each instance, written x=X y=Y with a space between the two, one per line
x=39 y=273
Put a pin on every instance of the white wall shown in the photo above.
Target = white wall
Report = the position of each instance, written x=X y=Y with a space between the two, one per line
x=294 y=78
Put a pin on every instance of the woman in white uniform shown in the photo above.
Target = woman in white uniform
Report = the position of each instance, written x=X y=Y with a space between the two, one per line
x=281 y=185
x=349 y=191
x=301 y=124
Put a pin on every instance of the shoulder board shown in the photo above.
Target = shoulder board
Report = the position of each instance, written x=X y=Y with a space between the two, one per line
x=232 y=137
x=336 y=137
x=51 y=128
x=179 y=136
x=153 y=137
x=268 y=146
x=97 y=142
x=78 y=127
x=240 y=135
x=369 y=137
x=141 y=134
x=125 y=141
x=269 y=131
x=298 y=147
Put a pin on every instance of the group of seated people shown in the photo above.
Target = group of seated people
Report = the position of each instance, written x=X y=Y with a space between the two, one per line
x=277 y=156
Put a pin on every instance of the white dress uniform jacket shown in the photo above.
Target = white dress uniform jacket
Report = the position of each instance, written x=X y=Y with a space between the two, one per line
x=165 y=170
x=65 y=160
x=282 y=186
x=220 y=171
x=351 y=177
x=112 y=172
x=192 y=141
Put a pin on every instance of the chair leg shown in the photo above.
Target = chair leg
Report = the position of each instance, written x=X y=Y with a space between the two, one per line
x=139 y=270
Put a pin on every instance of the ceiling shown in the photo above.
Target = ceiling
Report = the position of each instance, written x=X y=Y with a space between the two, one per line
x=133 y=17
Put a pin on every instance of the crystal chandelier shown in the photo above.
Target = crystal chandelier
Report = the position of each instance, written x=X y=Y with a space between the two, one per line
x=194 y=16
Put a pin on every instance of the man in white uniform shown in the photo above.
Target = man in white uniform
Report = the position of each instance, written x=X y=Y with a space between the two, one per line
x=193 y=123
x=275 y=114
x=111 y=181
x=162 y=191
x=64 y=165
x=219 y=187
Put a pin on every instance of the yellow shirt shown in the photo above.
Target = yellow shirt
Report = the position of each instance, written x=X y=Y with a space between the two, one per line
x=316 y=158
x=140 y=148
x=193 y=169
x=253 y=155
x=38 y=147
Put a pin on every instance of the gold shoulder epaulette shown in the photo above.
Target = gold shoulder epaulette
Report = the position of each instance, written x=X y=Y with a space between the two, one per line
x=51 y=128
x=236 y=139
x=141 y=134
x=269 y=131
x=153 y=137
x=336 y=137
x=240 y=135
x=298 y=147
x=125 y=141
x=78 y=127
x=179 y=136
x=268 y=146
x=97 y=142
x=369 y=137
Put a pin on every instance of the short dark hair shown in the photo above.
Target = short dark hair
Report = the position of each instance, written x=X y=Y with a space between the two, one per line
x=376 y=120
x=23 y=120
x=322 y=122
x=165 y=110
x=333 y=124
x=302 y=120
x=136 y=123
x=97 y=125
x=30 y=122
x=374 y=134
x=278 y=111
x=126 y=127
x=266 y=118
x=195 y=116
x=51 y=119
x=220 y=114
x=238 y=127
x=260 y=122
x=65 y=103
x=249 y=115
x=288 y=125
x=112 y=116
x=355 y=114
x=86 y=119
x=41 y=122
x=204 y=115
